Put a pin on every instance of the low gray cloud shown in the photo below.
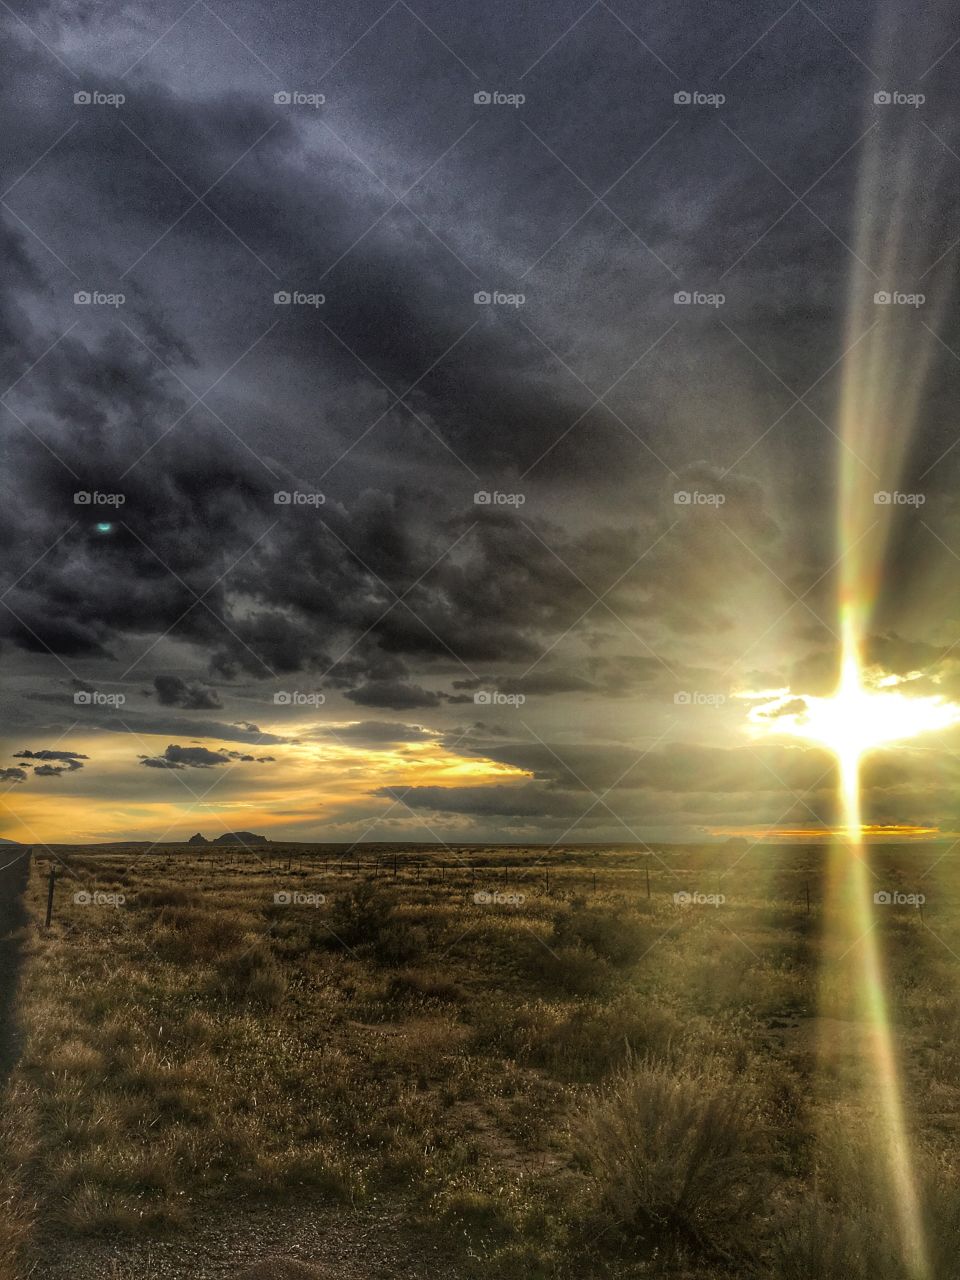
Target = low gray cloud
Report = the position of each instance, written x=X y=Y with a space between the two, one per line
x=177 y=757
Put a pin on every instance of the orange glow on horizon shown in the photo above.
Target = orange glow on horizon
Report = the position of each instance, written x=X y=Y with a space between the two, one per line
x=314 y=782
x=868 y=832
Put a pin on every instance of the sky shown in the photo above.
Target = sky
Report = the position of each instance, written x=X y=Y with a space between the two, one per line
x=451 y=422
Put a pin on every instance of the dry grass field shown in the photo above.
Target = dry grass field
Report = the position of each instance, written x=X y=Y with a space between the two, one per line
x=454 y=1065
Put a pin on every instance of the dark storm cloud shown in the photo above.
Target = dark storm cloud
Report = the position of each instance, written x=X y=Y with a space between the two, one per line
x=392 y=694
x=13 y=775
x=503 y=603
x=192 y=695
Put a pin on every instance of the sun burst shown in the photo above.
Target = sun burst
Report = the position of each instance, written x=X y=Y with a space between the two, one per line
x=858 y=717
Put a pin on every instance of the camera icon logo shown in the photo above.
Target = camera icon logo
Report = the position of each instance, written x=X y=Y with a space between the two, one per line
x=682 y=698
x=282 y=698
x=82 y=898
x=682 y=898
x=681 y=498
x=682 y=299
x=882 y=98
x=282 y=498
x=81 y=298
x=482 y=698
x=282 y=98
x=482 y=98
x=882 y=298
x=882 y=898
x=482 y=898
x=882 y=498
x=682 y=98
x=82 y=498
x=482 y=298
x=281 y=298
x=282 y=899
x=83 y=698
x=482 y=498
x=82 y=98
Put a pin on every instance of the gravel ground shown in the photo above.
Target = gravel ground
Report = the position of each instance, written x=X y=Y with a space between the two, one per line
x=373 y=1244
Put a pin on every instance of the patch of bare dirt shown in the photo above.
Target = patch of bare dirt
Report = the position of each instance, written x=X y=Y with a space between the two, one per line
x=378 y=1243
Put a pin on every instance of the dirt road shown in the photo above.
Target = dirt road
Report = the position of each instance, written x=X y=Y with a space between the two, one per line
x=14 y=864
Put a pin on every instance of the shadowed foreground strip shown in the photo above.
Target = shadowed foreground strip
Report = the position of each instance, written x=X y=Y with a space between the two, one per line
x=14 y=864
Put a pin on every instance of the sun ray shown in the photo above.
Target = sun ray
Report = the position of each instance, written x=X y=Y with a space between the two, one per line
x=860 y=716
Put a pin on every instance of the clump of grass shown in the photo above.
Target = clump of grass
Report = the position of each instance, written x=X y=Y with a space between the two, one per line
x=673 y=1157
x=852 y=1228
x=166 y=896
x=91 y=1210
x=570 y=968
x=367 y=918
x=815 y=1242
x=612 y=934
x=249 y=975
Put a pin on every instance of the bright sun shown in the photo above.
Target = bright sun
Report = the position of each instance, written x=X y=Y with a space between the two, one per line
x=856 y=718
